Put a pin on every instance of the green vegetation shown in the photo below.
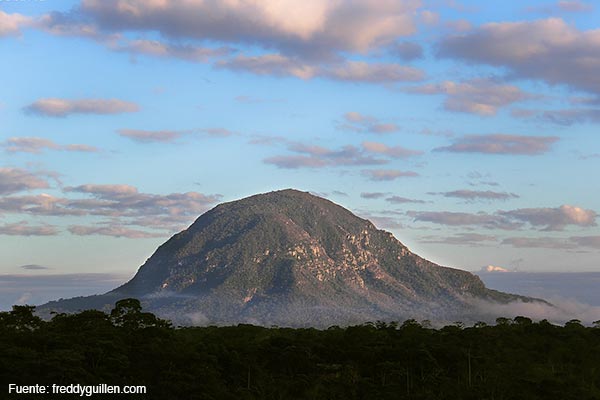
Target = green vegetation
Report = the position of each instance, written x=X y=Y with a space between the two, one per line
x=514 y=359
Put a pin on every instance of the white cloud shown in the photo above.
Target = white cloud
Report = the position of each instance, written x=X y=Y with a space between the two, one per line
x=388 y=174
x=477 y=96
x=501 y=144
x=36 y=145
x=550 y=50
x=13 y=180
x=55 y=107
x=317 y=27
x=10 y=24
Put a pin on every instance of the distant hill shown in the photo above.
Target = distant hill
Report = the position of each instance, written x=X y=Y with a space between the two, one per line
x=292 y=258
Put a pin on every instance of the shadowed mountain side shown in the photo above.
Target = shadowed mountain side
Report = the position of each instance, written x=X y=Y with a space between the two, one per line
x=291 y=258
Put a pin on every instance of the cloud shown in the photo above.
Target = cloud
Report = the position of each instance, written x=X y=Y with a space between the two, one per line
x=390 y=151
x=562 y=6
x=312 y=156
x=13 y=180
x=485 y=220
x=561 y=310
x=161 y=49
x=145 y=136
x=372 y=195
x=478 y=195
x=546 y=219
x=477 y=96
x=23 y=228
x=552 y=219
x=501 y=144
x=55 y=107
x=123 y=203
x=33 y=267
x=407 y=51
x=218 y=132
x=318 y=27
x=574 y=6
x=539 y=242
x=402 y=200
x=358 y=71
x=348 y=71
x=10 y=24
x=60 y=24
x=113 y=230
x=125 y=200
x=549 y=50
x=567 y=117
x=387 y=174
x=357 y=122
x=36 y=145
x=462 y=239
x=270 y=64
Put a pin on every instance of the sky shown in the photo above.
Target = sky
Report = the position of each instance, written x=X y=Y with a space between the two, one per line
x=468 y=129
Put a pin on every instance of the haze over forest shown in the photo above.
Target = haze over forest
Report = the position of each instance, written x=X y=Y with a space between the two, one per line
x=466 y=129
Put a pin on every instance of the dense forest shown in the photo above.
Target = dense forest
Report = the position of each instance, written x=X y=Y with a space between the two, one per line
x=513 y=359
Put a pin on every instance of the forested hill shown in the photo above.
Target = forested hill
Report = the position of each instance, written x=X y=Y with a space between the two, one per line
x=514 y=359
x=290 y=258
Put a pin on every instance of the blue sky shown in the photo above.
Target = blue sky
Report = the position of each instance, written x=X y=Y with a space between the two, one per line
x=467 y=129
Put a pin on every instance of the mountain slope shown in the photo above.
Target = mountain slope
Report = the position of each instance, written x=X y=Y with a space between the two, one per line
x=291 y=258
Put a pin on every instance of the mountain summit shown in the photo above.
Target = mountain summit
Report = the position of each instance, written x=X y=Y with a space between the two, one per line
x=292 y=258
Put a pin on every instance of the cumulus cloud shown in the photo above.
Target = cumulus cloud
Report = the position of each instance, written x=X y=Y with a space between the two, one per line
x=357 y=122
x=36 y=145
x=478 y=195
x=476 y=96
x=551 y=219
x=23 y=228
x=55 y=107
x=318 y=27
x=550 y=50
x=13 y=180
x=501 y=144
x=10 y=24
x=61 y=24
x=387 y=174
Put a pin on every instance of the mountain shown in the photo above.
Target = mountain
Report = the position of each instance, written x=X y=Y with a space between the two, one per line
x=292 y=258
